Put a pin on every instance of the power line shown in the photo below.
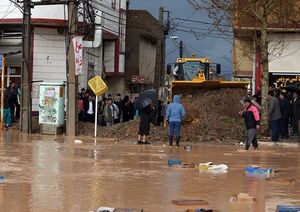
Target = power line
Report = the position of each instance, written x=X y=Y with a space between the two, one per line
x=198 y=28
x=6 y=13
x=201 y=22
x=198 y=34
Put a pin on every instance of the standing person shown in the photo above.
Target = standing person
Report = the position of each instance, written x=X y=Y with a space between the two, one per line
x=252 y=119
x=89 y=108
x=274 y=115
x=11 y=91
x=115 y=113
x=82 y=93
x=174 y=115
x=145 y=120
x=80 y=105
x=160 y=116
x=296 y=113
x=6 y=111
x=285 y=115
x=126 y=105
x=108 y=113
x=118 y=102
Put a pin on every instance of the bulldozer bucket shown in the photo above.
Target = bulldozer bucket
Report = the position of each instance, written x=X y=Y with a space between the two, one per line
x=188 y=86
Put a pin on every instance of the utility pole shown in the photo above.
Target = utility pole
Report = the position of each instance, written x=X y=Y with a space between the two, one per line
x=161 y=44
x=25 y=87
x=180 y=66
x=71 y=77
x=180 y=49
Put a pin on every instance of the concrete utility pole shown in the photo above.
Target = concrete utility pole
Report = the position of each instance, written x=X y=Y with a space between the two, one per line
x=25 y=87
x=71 y=77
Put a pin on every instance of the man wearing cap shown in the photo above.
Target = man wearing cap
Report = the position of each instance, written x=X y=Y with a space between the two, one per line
x=252 y=121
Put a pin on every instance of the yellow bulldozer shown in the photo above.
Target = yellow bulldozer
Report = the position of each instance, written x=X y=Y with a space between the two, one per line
x=192 y=74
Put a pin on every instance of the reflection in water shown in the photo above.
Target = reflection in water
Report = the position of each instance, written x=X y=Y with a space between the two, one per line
x=54 y=174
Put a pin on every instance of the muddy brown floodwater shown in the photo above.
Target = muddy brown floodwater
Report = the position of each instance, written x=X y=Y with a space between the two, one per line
x=44 y=173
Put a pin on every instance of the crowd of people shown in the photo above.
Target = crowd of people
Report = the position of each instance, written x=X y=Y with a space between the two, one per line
x=111 y=110
x=283 y=115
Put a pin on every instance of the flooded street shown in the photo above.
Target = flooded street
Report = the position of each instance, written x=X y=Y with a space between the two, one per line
x=44 y=173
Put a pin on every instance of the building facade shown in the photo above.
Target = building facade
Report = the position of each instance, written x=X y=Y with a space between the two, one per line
x=103 y=55
x=144 y=67
x=283 y=48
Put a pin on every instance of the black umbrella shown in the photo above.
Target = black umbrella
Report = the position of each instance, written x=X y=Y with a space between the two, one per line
x=145 y=98
x=292 y=88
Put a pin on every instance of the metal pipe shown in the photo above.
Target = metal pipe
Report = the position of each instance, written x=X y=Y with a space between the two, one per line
x=97 y=35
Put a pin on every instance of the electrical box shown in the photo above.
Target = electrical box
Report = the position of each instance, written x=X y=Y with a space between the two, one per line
x=51 y=104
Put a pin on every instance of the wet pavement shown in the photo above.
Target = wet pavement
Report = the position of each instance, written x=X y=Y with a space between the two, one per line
x=47 y=173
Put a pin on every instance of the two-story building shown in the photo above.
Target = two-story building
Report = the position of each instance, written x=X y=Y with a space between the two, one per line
x=104 y=55
x=283 y=48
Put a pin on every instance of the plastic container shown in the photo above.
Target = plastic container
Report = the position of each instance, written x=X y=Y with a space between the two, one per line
x=287 y=208
x=172 y=162
x=256 y=169
x=97 y=85
x=209 y=166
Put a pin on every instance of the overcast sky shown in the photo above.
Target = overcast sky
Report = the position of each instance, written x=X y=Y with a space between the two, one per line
x=218 y=49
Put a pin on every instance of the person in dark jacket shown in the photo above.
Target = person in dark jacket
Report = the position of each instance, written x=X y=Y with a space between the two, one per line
x=6 y=111
x=285 y=115
x=145 y=120
x=89 y=108
x=274 y=115
x=296 y=113
x=252 y=121
x=174 y=115
x=127 y=107
x=12 y=92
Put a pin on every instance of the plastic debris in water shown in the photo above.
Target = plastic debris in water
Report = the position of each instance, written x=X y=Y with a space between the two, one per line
x=287 y=208
x=105 y=209
x=78 y=142
x=209 y=166
x=1 y=179
x=172 y=162
x=256 y=169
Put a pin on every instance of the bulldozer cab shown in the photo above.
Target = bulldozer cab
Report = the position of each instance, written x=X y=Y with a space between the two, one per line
x=189 y=69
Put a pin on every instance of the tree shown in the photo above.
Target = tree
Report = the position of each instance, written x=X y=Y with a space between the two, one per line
x=256 y=18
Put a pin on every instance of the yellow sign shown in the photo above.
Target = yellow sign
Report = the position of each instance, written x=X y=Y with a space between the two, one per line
x=97 y=85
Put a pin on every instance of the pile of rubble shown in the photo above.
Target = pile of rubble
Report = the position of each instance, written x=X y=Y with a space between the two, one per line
x=211 y=116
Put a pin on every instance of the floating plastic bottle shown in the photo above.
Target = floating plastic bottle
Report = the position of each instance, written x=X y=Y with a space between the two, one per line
x=256 y=169
x=209 y=166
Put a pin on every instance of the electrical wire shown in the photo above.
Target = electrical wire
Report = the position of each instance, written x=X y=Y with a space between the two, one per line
x=7 y=13
x=206 y=35
x=201 y=22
